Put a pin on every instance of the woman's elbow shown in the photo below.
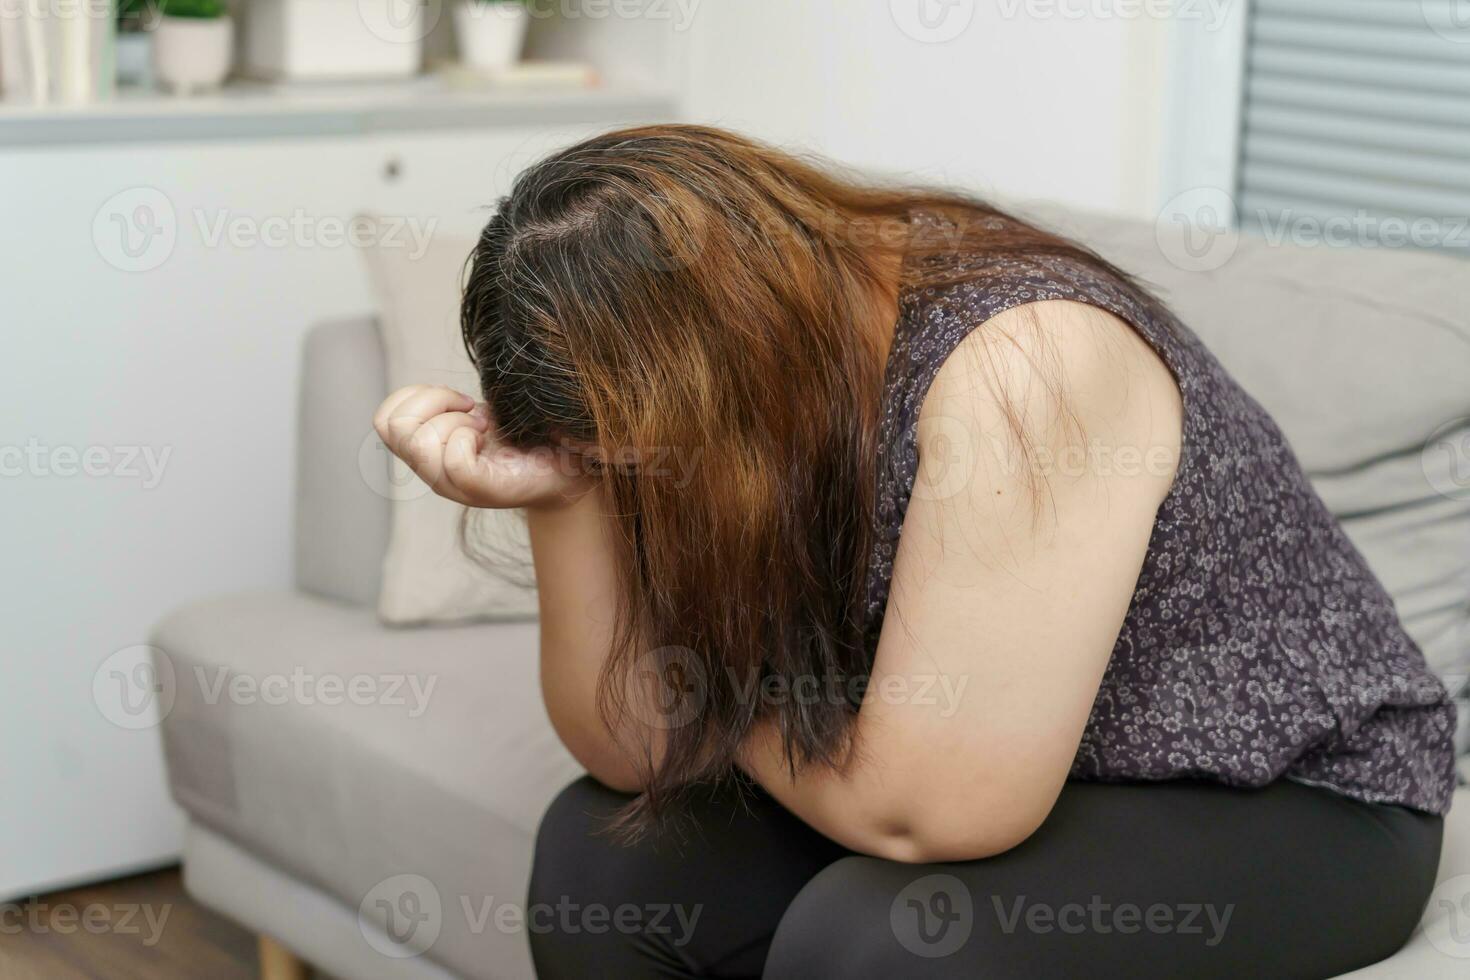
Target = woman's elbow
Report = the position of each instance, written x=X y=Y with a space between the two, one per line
x=597 y=753
x=960 y=833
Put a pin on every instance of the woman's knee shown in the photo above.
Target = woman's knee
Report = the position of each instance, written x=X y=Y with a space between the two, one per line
x=864 y=917
x=576 y=872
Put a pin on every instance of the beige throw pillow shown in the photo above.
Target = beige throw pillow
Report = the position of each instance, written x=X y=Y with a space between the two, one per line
x=428 y=576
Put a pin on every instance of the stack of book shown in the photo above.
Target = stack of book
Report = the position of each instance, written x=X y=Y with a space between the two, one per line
x=57 y=51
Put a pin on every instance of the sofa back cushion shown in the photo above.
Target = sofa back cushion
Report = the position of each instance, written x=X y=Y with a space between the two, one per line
x=342 y=474
x=1363 y=358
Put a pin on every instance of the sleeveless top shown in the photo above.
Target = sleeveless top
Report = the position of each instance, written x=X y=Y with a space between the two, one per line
x=1258 y=645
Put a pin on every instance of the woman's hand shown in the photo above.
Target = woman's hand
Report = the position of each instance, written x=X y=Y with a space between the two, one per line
x=447 y=438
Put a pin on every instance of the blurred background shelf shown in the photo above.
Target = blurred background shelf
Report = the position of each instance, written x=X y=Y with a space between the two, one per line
x=249 y=110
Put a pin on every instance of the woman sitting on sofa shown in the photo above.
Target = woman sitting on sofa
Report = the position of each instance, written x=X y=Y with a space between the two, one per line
x=921 y=597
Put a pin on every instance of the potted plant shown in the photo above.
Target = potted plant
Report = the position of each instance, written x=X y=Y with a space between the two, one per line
x=490 y=33
x=192 y=45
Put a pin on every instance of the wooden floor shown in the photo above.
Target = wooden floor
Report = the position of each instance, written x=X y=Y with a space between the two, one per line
x=139 y=928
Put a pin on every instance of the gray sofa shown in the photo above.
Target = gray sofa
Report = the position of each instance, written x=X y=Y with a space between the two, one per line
x=388 y=834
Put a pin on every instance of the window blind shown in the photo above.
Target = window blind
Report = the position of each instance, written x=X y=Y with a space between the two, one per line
x=1355 y=121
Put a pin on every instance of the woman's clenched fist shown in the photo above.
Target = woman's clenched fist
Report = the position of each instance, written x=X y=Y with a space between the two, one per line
x=448 y=439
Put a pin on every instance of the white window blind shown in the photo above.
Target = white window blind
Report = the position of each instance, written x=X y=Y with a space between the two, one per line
x=1356 y=120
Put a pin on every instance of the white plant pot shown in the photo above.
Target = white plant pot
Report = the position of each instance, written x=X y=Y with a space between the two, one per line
x=490 y=33
x=191 y=54
x=134 y=57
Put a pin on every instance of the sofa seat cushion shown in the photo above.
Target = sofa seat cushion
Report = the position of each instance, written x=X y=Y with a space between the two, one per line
x=345 y=753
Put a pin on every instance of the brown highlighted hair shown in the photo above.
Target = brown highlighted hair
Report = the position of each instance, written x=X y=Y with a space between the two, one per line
x=682 y=290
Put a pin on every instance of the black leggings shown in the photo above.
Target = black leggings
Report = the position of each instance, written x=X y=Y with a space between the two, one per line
x=1177 y=879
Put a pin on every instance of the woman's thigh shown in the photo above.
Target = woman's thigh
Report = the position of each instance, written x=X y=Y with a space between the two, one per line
x=701 y=899
x=1180 y=879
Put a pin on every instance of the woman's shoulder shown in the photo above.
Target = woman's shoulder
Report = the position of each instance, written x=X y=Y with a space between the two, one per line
x=1062 y=388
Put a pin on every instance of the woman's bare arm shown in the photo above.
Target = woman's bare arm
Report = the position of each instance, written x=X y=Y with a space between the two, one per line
x=448 y=440
x=1007 y=598
x=577 y=585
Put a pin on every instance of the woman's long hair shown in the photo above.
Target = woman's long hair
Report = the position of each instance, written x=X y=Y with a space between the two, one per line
x=706 y=311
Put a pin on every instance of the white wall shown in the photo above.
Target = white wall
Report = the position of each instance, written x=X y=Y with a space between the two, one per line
x=1046 y=99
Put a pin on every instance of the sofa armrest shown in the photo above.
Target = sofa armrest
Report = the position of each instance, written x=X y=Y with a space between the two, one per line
x=342 y=475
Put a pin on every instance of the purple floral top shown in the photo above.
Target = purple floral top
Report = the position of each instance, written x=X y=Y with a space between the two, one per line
x=1258 y=644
